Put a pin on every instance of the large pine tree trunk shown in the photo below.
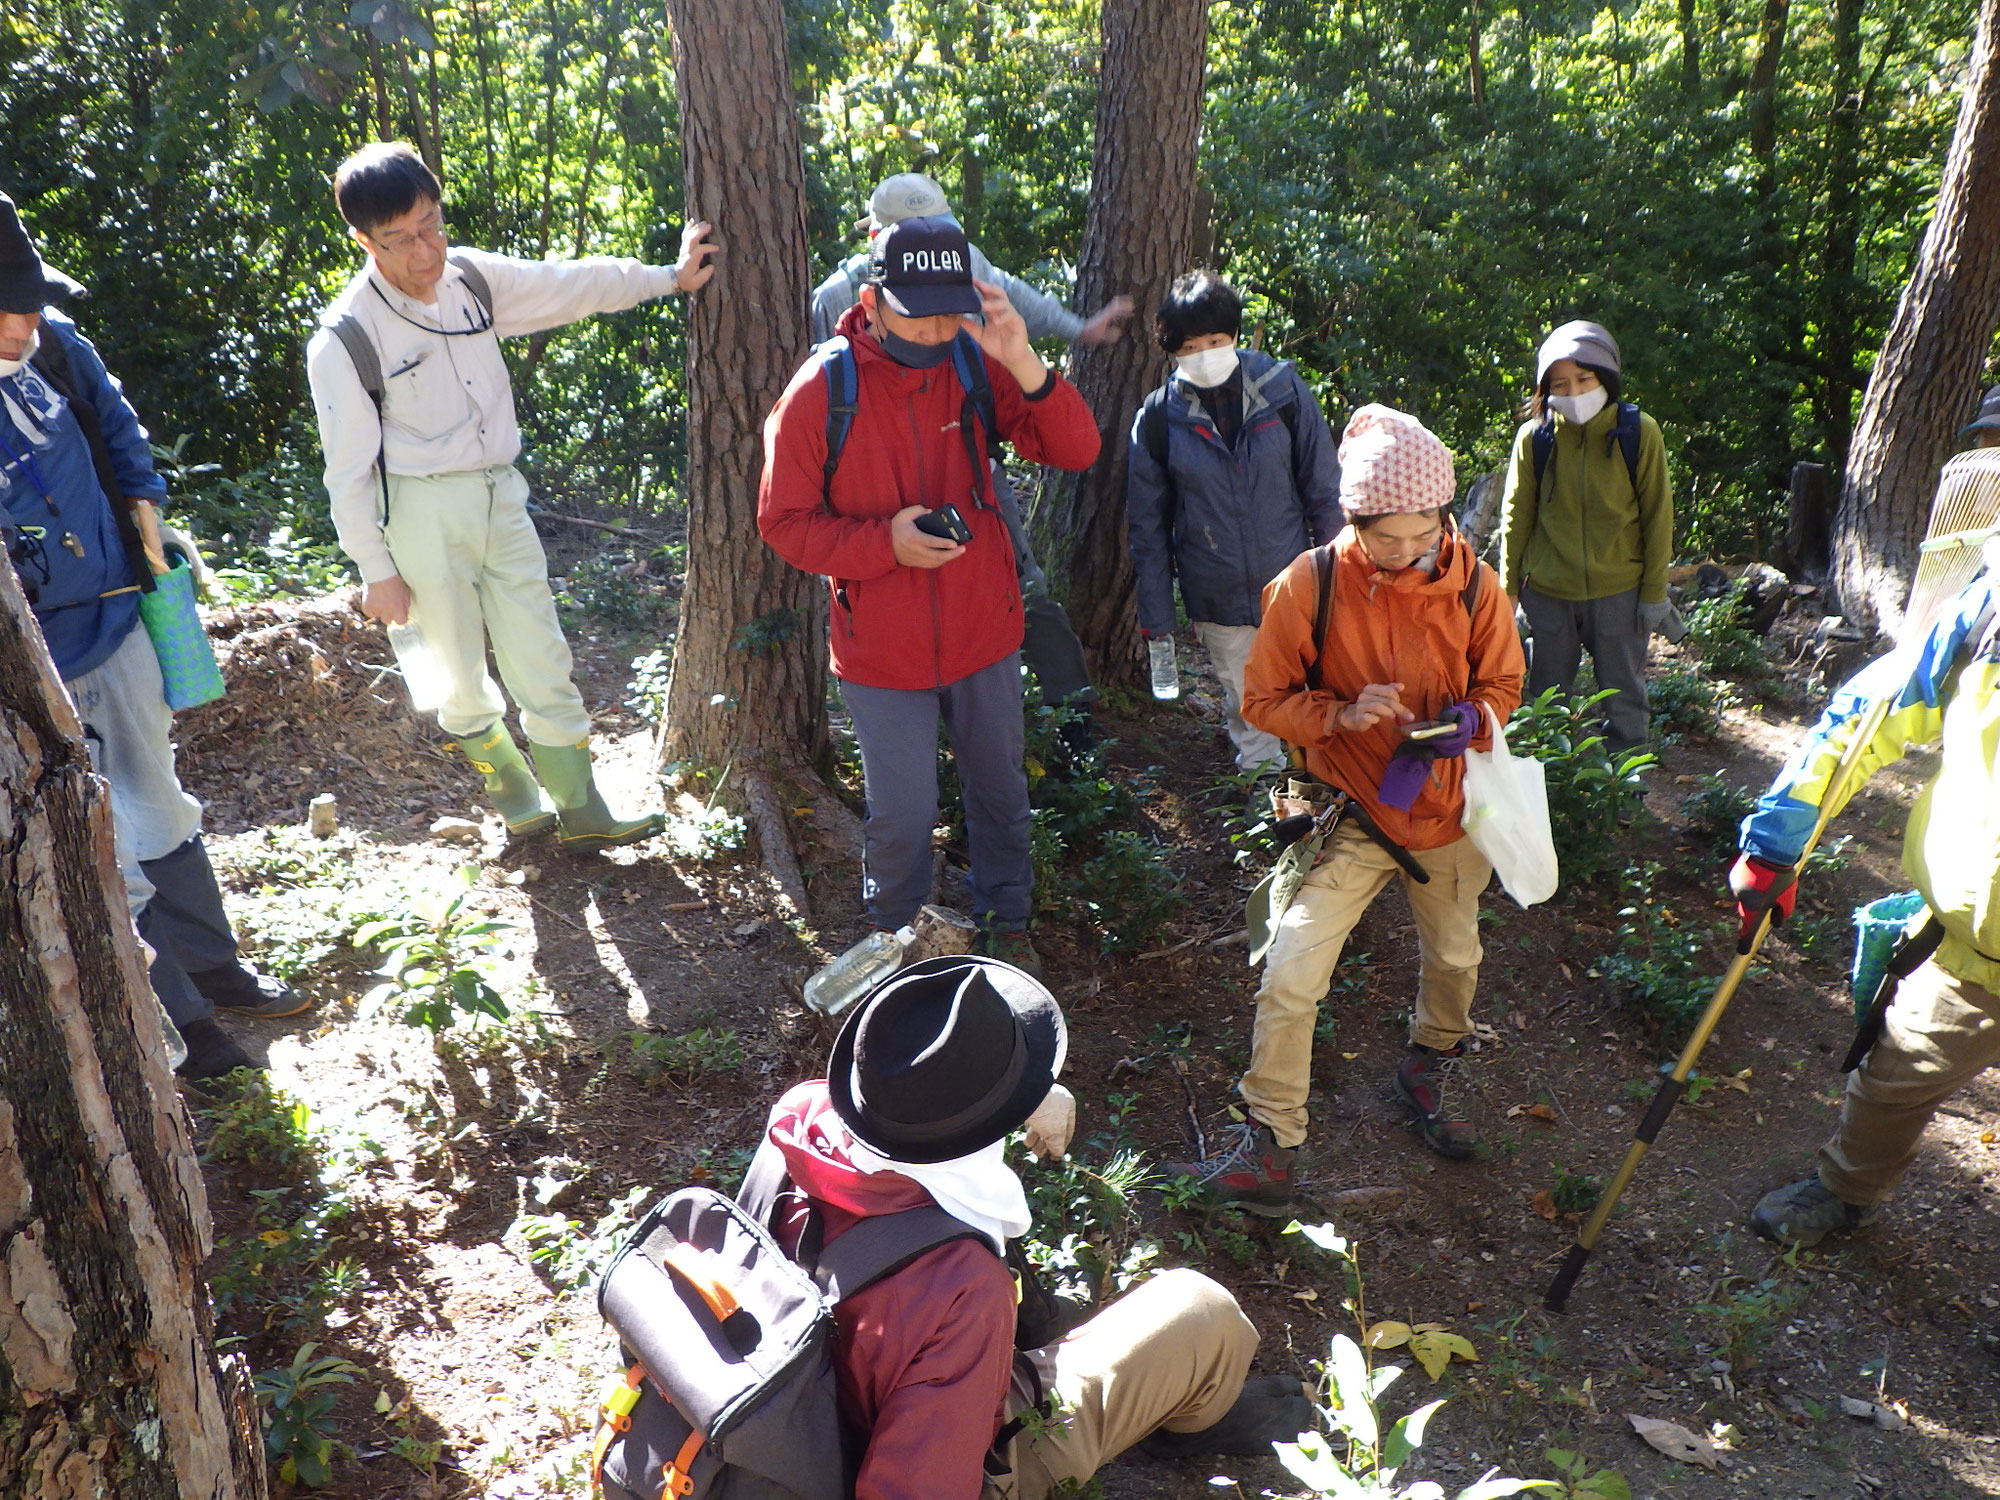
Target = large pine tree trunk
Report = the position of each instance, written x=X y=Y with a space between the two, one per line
x=749 y=674
x=109 y=1382
x=1924 y=384
x=1142 y=232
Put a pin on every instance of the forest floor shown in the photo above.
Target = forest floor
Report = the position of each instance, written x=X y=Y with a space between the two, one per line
x=433 y=1213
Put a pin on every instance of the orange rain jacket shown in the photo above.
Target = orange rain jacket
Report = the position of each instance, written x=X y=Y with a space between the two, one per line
x=1386 y=627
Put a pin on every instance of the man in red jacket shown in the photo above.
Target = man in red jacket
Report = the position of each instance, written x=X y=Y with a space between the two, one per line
x=927 y=1079
x=925 y=627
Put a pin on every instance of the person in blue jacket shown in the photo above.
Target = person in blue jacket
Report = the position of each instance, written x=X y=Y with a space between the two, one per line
x=82 y=567
x=1232 y=473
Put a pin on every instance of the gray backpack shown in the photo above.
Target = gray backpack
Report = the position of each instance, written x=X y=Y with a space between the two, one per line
x=730 y=1392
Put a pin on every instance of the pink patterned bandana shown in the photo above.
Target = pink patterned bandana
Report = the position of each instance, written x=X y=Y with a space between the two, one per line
x=1391 y=463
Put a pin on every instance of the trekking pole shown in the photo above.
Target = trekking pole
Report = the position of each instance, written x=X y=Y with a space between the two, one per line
x=1668 y=1094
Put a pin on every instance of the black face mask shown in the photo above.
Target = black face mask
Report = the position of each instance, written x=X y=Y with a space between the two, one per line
x=910 y=354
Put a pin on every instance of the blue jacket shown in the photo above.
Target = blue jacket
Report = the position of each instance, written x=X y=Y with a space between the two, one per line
x=52 y=488
x=1232 y=518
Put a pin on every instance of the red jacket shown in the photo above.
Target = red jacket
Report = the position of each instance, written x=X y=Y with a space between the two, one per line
x=895 y=626
x=924 y=1355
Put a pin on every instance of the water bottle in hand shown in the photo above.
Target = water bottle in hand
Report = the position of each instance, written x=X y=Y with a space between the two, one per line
x=857 y=971
x=1166 y=671
x=423 y=674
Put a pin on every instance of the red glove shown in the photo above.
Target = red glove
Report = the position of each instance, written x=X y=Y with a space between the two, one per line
x=1760 y=886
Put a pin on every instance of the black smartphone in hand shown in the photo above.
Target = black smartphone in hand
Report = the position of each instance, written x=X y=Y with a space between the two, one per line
x=944 y=522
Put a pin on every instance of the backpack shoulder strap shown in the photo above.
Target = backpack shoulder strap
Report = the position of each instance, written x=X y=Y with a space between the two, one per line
x=1626 y=432
x=475 y=281
x=1324 y=569
x=1543 y=446
x=1153 y=426
x=1470 y=593
x=361 y=350
x=970 y=362
x=883 y=1245
x=843 y=391
x=52 y=361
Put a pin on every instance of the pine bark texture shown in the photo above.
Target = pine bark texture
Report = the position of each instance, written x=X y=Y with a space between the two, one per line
x=1925 y=381
x=109 y=1384
x=1142 y=232
x=749 y=673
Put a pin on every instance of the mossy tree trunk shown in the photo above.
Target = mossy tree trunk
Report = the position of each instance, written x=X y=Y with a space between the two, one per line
x=109 y=1381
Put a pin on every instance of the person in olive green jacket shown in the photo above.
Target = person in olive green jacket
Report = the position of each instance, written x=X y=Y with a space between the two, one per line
x=1587 y=527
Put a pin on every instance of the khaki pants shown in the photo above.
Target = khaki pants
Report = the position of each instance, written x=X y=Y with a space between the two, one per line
x=466 y=547
x=1172 y=1353
x=1940 y=1032
x=1311 y=934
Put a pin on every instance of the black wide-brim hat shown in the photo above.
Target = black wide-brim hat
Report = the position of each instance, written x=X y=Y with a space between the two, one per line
x=946 y=1056
x=27 y=283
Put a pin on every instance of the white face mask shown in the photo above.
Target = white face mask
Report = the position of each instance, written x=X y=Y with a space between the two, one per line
x=13 y=366
x=1580 y=409
x=1209 y=367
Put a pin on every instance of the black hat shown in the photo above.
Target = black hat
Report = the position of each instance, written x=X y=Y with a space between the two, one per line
x=27 y=283
x=924 y=266
x=1988 y=417
x=945 y=1057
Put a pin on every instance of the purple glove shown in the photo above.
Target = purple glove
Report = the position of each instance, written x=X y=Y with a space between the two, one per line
x=1403 y=781
x=1456 y=743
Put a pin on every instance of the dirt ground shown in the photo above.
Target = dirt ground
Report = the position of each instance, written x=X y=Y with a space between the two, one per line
x=478 y=1369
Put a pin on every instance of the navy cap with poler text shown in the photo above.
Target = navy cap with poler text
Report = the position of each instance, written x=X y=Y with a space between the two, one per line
x=924 y=268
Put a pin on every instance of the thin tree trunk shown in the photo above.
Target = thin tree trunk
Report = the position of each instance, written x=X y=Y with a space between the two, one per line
x=1838 y=311
x=1690 y=50
x=1475 y=62
x=1141 y=233
x=1925 y=380
x=749 y=674
x=109 y=1380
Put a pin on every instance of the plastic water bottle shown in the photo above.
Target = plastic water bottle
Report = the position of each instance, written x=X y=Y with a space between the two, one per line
x=423 y=674
x=177 y=1047
x=1166 y=671
x=857 y=971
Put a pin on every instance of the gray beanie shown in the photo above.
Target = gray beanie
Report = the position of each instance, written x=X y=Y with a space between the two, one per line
x=1586 y=343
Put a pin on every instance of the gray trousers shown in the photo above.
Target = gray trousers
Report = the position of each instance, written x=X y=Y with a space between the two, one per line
x=897 y=730
x=1049 y=645
x=1609 y=629
x=155 y=824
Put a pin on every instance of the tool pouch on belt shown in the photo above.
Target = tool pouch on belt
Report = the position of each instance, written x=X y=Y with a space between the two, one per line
x=1305 y=821
x=1918 y=943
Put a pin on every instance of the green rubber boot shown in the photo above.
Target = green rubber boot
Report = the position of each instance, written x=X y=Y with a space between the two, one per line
x=509 y=783
x=587 y=824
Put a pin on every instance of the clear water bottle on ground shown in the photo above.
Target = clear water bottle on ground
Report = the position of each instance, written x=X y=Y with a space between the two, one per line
x=423 y=674
x=1166 y=671
x=177 y=1048
x=857 y=971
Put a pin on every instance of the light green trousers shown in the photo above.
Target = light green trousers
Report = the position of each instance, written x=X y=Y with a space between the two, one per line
x=466 y=547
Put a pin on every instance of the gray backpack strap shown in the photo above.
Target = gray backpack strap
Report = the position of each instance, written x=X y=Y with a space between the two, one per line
x=883 y=1245
x=361 y=350
x=475 y=282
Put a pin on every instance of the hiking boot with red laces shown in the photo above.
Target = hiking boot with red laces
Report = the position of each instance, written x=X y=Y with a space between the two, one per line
x=1426 y=1081
x=1248 y=1168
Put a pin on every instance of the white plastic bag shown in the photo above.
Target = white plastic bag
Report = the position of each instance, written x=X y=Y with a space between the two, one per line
x=1507 y=818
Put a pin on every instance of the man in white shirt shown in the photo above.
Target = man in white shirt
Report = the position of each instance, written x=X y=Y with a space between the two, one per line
x=416 y=416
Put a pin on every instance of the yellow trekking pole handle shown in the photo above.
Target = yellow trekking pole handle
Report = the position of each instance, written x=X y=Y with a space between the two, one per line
x=1675 y=1083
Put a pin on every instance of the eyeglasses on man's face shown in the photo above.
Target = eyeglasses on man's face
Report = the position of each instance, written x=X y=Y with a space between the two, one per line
x=431 y=230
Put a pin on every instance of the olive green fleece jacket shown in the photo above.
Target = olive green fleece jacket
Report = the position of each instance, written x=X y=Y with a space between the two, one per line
x=1587 y=531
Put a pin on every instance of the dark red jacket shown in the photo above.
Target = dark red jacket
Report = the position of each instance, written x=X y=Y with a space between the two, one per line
x=894 y=626
x=924 y=1356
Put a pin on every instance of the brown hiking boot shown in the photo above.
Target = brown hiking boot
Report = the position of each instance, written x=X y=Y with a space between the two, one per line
x=1248 y=1168
x=1426 y=1081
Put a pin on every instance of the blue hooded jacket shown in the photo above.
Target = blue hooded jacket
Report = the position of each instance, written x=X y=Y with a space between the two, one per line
x=50 y=487
x=1227 y=520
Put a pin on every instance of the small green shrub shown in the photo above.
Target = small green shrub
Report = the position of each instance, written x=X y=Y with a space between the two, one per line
x=572 y=1254
x=261 y=1126
x=615 y=590
x=1592 y=794
x=646 y=695
x=1715 y=811
x=1722 y=641
x=1661 y=963
x=298 y=1414
x=1575 y=1192
x=682 y=1060
x=1750 y=1315
x=436 y=956
x=1687 y=704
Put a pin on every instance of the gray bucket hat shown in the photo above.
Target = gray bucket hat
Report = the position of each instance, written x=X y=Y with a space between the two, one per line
x=1988 y=417
x=1585 y=342
x=27 y=282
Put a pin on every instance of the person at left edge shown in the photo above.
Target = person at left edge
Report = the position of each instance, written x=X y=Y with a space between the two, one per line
x=65 y=540
x=426 y=498
x=925 y=627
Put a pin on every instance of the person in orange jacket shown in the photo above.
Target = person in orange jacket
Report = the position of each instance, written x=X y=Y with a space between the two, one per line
x=1419 y=632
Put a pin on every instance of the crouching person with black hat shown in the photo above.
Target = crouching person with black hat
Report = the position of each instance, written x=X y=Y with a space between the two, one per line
x=927 y=1079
